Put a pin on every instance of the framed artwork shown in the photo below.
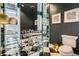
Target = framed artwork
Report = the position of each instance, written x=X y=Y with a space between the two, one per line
x=56 y=18
x=71 y=15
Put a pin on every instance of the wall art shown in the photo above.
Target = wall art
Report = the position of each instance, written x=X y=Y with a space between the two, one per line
x=56 y=18
x=71 y=15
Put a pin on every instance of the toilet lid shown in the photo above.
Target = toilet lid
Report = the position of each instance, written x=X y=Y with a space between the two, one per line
x=65 y=48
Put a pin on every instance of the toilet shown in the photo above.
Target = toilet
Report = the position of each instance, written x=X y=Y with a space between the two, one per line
x=69 y=42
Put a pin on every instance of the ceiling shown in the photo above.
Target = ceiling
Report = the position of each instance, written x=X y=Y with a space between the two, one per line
x=30 y=9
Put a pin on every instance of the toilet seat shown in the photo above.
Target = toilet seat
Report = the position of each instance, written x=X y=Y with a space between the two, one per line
x=65 y=50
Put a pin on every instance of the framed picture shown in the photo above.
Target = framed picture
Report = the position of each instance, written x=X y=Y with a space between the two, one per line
x=56 y=18
x=71 y=15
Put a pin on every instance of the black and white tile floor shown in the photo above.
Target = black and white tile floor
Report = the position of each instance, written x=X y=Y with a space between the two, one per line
x=47 y=52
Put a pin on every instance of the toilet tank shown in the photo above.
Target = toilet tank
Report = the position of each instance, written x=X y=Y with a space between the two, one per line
x=69 y=40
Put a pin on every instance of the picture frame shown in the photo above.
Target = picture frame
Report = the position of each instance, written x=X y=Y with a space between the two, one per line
x=71 y=15
x=56 y=18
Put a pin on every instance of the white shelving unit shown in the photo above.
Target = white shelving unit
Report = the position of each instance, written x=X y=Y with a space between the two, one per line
x=12 y=31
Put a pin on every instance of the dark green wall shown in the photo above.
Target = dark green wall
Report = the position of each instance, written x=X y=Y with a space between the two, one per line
x=26 y=22
x=55 y=28
x=64 y=28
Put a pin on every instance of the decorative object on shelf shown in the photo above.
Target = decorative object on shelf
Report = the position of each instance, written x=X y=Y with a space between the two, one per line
x=12 y=20
x=36 y=22
x=4 y=19
x=56 y=18
x=71 y=15
x=55 y=47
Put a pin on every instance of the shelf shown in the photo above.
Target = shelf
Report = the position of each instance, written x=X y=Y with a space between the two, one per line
x=36 y=38
x=34 y=34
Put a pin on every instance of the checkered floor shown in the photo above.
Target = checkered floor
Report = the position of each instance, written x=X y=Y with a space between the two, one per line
x=48 y=52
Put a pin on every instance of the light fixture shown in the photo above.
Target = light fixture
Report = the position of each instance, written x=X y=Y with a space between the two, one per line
x=32 y=6
x=22 y=5
x=53 y=8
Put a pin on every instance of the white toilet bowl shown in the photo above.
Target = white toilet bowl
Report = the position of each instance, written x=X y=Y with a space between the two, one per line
x=66 y=50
